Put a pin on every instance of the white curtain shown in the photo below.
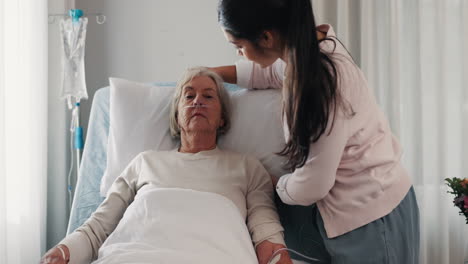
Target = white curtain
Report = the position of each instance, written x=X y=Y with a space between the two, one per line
x=414 y=54
x=23 y=130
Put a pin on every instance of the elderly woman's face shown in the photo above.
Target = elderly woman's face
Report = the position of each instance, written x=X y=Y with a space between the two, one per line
x=199 y=106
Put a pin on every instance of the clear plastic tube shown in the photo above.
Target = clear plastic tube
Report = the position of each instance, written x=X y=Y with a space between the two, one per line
x=196 y=106
x=275 y=257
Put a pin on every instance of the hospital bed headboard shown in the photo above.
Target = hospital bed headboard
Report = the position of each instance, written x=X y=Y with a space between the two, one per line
x=93 y=162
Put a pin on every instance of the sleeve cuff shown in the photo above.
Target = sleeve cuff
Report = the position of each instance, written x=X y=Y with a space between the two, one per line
x=244 y=73
x=282 y=190
x=272 y=232
x=78 y=245
x=277 y=238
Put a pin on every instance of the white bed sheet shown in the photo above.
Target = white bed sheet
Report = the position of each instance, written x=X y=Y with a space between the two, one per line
x=172 y=225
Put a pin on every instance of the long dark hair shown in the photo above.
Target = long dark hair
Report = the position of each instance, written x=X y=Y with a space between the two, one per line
x=310 y=95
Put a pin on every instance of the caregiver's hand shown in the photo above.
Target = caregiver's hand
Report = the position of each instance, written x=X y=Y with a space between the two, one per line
x=55 y=255
x=266 y=249
x=228 y=73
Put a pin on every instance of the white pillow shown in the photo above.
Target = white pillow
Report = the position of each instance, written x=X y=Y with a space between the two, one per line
x=256 y=127
x=139 y=120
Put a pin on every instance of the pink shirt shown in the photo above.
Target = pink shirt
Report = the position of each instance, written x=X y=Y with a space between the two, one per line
x=354 y=174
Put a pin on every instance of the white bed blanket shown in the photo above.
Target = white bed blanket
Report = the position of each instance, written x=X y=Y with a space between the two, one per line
x=176 y=226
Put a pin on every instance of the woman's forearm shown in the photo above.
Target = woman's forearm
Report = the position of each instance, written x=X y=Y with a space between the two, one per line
x=228 y=73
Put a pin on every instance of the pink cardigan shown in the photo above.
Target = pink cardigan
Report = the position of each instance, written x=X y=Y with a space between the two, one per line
x=354 y=174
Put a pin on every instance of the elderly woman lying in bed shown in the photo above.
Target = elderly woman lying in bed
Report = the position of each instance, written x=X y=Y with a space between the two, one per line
x=189 y=205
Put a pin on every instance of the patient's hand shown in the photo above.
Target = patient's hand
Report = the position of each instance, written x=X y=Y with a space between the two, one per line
x=266 y=249
x=55 y=256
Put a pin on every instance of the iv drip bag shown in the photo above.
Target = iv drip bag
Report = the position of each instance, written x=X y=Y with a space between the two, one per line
x=73 y=36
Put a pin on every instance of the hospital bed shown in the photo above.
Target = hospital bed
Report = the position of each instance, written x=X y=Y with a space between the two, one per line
x=87 y=195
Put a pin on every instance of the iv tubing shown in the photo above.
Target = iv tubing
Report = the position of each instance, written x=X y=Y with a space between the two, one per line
x=288 y=249
x=76 y=133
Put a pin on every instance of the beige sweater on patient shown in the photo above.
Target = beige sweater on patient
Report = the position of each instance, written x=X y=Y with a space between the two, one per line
x=240 y=178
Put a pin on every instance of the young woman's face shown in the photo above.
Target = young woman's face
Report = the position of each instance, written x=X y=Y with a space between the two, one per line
x=263 y=56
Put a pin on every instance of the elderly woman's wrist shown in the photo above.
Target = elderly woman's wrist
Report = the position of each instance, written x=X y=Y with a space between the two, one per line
x=65 y=252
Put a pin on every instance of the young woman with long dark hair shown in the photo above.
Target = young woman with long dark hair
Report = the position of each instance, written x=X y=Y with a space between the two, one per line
x=339 y=147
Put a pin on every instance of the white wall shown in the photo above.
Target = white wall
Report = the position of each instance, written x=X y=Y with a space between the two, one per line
x=151 y=40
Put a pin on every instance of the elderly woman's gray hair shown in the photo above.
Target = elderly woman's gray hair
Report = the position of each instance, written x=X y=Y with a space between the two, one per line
x=222 y=93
